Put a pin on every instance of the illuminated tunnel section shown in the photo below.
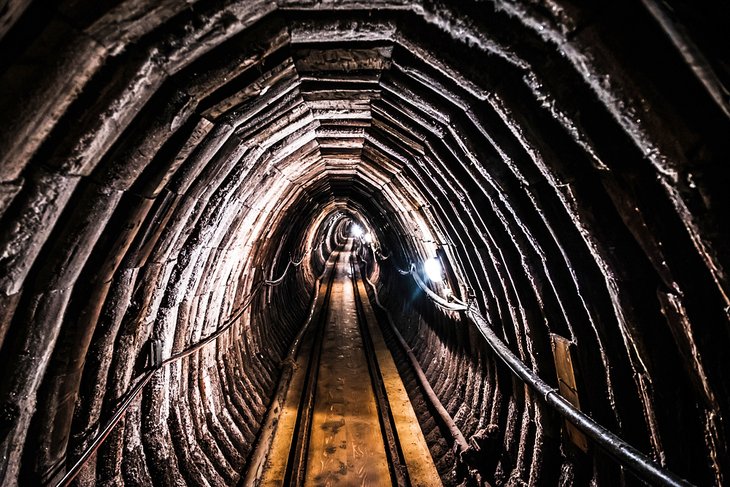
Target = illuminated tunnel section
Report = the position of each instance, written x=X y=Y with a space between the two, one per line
x=566 y=164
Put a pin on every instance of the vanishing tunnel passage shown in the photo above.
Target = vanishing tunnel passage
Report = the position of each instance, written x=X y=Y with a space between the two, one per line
x=527 y=200
x=346 y=418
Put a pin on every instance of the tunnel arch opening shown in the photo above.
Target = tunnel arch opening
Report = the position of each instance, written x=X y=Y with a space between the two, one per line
x=161 y=163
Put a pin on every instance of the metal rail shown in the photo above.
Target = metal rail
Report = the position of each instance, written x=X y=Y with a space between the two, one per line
x=145 y=377
x=257 y=458
x=457 y=436
x=396 y=460
x=625 y=454
x=296 y=469
x=296 y=465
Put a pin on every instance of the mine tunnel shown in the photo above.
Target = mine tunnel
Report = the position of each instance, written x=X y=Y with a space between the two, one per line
x=387 y=242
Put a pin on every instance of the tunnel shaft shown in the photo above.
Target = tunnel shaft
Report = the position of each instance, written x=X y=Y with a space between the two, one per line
x=175 y=175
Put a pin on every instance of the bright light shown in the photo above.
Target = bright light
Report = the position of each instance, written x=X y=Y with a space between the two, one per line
x=356 y=230
x=368 y=238
x=433 y=269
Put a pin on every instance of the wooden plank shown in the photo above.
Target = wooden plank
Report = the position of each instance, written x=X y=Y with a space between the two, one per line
x=563 y=357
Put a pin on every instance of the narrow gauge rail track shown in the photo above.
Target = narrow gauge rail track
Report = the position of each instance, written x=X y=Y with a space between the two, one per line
x=296 y=469
x=393 y=450
x=299 y=453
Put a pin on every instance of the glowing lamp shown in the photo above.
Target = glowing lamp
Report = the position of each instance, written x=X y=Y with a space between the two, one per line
x=356 y=230
x=433 y=269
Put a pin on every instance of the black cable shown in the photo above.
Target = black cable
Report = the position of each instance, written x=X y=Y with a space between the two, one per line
x=147 y=375
x=625 y=454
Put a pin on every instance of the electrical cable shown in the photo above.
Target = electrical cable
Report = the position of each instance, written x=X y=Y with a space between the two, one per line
x=146 y=376
x=625 y=454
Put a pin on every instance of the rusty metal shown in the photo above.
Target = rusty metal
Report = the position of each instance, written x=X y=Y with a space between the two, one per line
x=297 y=463
x=263 y=442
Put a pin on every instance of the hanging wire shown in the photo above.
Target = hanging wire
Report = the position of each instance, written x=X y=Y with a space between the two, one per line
x=381 y=257
x=146 y=376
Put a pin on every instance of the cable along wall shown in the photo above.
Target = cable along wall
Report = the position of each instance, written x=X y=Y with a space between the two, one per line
x=158 y=158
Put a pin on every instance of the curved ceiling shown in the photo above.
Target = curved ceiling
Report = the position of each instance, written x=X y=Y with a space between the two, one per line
x=159 y=158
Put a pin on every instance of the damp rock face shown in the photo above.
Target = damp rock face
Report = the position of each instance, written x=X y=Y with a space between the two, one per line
x=158 y=160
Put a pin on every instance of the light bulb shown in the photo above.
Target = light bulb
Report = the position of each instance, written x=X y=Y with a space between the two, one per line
x=433 y=269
